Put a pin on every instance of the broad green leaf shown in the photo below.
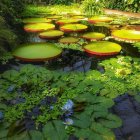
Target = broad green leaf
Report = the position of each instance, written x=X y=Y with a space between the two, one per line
x=111 y=121
x=36 y=135
x=55 y=130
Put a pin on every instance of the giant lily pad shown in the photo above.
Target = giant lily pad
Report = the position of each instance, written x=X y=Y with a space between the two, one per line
x=93 y=36
x=68 y=40
x=102 y=48
x=67 y=21
x=73 y=27
x=36 y=20
x=38 y=27
x=37 y=52
x=126 y=35
x=97 y=19
x=52 y=34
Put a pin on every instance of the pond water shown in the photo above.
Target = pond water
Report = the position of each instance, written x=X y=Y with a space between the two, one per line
x=74 y=58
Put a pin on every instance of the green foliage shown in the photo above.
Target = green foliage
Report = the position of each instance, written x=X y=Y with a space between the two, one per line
x=73 y=46
x=92 y=7
x=91 y=92
x=124 y=5
x=95 y=121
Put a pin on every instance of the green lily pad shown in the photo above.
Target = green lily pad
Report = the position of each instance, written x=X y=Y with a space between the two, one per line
x=37 y=52
x=54 y=17
x=73 y=27
x=100 y=19
x=52 y=34
x=36 y=20
x=93 y=36
x=68 y=40
x=38 y=27
x=102 y=48
x=67 y=21
x=126 y=35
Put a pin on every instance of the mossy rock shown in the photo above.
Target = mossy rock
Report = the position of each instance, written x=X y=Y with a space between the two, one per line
x=97 y=19
x=73 y=28
x=69 y=40
x=126 y=35
x=102 y=48
x=36 y=20
x=93 y=36
x=51 y=34
x=37 y=52
x=38 y=27
x=67 y=21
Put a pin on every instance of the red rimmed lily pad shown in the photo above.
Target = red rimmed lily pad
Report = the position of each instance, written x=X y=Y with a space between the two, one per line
x=37 y=52
x=99 y=19
x=51 y=34
x=68 y=40
x=93 y=36
x=102 y=48
x=67 y=21
x=38 y=27
x=73 y=28
x=126 y=35
x=36 y=20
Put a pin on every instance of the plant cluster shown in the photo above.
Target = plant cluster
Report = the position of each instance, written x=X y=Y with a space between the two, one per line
x=69 y=103
x=93 y=7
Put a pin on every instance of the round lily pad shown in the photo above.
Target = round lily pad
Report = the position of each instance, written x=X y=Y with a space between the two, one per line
x=52 y=34
x=126 y=35
x=100 y=19
x=68 y=40
x=102 y=48
x=38 y=27
x=67 y=21
x=54 y=17
x=36 y=20
x=37 y=52
x=93 y=36
x=73 y=27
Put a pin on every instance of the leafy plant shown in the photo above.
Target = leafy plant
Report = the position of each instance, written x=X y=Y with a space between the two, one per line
x=92 y=7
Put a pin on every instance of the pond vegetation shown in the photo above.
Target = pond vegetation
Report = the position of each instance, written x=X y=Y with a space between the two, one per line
x=62 y=68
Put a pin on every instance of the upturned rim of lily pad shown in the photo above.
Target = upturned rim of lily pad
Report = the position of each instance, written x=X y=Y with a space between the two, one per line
x=51 y=34
x=93 y=36
x=102 y=48
x=129 y=36
x=36 y=20
x=36 y=52
x=38 y=27
x=73 y=28
x=99 y=19
x=68 y=40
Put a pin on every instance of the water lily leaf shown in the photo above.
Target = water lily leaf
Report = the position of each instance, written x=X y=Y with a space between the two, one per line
x=105 y=132
x=87 y=133
x=82 y=120
x=36 y=135
x=55 y=130
x=111 y=121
